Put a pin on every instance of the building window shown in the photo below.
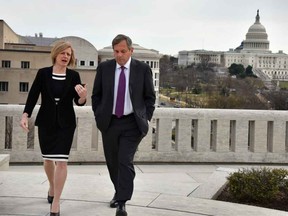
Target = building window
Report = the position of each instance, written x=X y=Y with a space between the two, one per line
x=155 y=76
x=82 y=63
x=23 y=86
x=6 y=64
x=91 y=63
x=25 y=64
x=3 y=86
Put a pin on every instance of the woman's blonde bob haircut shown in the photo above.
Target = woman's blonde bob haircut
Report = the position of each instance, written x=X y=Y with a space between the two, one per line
x=58 y=48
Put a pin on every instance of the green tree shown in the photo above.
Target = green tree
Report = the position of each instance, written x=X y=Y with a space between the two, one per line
x=236 y=69
x=249 y=71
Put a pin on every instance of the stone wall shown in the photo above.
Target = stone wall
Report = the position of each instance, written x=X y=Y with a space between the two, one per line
x=175 y=135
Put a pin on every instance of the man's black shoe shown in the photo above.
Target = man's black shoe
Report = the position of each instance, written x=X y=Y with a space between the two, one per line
x=121 y=210
x=113 y=203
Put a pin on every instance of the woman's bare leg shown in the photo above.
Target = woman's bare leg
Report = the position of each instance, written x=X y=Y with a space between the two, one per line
x=49 y=167
x=59 y=181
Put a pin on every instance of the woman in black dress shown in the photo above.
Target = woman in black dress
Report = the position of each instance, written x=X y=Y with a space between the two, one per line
x=56 y=122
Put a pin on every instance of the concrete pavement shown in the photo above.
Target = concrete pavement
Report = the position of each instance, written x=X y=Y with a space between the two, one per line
x=160 y=190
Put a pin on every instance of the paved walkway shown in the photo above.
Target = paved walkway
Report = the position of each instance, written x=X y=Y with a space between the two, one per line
x=160 y=190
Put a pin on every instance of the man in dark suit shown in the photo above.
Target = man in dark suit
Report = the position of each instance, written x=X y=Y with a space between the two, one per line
x=123 y=101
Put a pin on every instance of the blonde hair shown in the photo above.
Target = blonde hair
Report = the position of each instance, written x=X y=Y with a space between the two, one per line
x=58 y=48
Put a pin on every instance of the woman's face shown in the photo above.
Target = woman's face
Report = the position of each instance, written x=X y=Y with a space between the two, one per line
x=63 y=58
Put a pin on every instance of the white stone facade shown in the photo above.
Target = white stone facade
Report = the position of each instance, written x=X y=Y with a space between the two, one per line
x=21 y=57
x=196 y=56
x=253 y=51
x=86 y=54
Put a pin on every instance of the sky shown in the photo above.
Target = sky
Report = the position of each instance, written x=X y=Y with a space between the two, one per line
x=168 y=26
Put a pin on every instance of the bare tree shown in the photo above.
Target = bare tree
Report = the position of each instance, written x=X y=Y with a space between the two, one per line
x=278 y=100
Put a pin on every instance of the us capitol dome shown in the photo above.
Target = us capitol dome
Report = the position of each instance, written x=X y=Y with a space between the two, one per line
x=256 y=37
x=253 y=51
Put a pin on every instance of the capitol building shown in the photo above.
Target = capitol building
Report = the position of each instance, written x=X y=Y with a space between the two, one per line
x=253 y=51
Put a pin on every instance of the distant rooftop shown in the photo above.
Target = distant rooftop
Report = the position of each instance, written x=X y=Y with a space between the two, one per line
x=39 y=40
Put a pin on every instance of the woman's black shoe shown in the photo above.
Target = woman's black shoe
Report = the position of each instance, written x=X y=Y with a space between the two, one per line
x=50 y=198
x=53 y=213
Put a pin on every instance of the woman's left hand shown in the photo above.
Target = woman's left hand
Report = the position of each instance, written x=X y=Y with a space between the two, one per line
x=81 y=90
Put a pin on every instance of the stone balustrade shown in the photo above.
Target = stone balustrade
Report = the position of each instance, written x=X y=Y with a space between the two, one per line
x=175 y=135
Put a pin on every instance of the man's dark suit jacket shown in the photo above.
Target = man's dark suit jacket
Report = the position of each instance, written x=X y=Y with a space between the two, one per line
x=47 y=112
x=141 y=90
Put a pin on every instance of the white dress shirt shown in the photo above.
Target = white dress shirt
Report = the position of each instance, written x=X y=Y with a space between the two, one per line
x=128 y=109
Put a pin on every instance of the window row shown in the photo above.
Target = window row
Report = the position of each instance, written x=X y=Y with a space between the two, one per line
x=206 y=58
x=26 y=64
x=7 y=64
x=85 y=63
x=23 y=86
x=269 y=66
x=152 y=64
x=270 y=62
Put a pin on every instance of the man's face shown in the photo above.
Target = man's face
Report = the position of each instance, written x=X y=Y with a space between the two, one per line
x=122 y=53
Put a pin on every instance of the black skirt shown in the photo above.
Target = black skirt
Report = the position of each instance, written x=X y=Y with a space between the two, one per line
x=55 y=142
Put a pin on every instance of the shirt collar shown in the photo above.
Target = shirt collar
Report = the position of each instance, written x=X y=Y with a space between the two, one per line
x=127 y=65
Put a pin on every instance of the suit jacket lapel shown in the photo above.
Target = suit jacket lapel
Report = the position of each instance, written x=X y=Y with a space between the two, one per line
x=49 y=82
x=132 y=76
x=68 y=82
x=111 y=76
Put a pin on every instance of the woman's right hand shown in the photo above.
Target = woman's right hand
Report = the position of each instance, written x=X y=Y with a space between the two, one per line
x=24 y=122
